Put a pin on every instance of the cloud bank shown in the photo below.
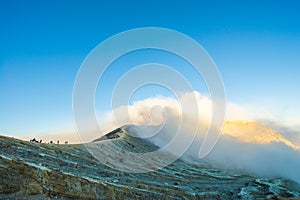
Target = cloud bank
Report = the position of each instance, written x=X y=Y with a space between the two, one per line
x=158 y=120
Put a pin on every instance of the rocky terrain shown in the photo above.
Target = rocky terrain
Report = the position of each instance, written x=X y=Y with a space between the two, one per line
x=51 y=171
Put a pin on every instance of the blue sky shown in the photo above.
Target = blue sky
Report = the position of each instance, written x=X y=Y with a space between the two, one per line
x=255 y=45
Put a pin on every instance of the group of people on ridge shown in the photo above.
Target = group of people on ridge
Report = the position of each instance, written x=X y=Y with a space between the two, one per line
x=40 y=141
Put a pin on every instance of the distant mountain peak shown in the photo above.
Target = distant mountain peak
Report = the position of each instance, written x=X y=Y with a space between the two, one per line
x=254 y=132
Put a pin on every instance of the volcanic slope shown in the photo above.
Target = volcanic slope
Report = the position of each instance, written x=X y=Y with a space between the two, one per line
x=51 y=171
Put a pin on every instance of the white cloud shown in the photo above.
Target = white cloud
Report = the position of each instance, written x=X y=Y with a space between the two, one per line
x=274 y=158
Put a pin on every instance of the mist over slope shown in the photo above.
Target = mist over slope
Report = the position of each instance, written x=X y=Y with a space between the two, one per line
x=256 y=149
x=247 y=147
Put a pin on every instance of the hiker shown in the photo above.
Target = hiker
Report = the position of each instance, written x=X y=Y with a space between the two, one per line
x=57 y=141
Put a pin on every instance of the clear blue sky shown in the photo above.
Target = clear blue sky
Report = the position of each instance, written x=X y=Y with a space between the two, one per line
x=255 y=44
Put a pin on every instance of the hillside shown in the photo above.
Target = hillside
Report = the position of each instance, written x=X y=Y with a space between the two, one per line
x=42 y=171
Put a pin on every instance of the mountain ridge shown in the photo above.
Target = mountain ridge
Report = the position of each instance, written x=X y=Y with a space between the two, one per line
x=43 y=171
